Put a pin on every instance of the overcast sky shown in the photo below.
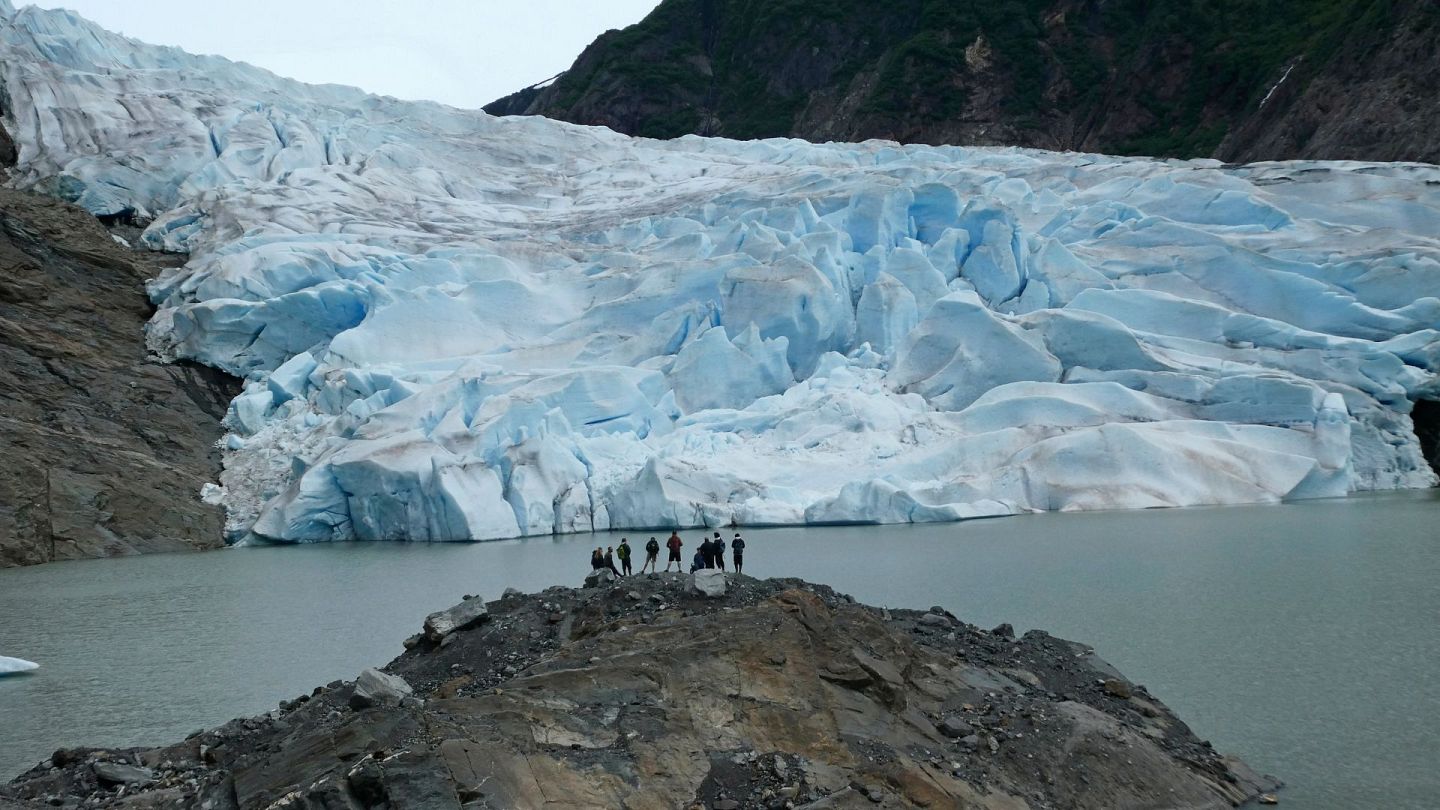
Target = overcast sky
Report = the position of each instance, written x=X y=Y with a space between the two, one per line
x=461 y=52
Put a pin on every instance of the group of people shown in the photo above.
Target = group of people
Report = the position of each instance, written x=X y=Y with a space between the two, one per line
x=710 y=554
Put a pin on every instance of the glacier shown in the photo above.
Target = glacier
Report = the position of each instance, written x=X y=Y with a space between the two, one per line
x=453 y=326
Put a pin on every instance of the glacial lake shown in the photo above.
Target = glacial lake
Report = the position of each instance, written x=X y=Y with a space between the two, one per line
x=1303 y=637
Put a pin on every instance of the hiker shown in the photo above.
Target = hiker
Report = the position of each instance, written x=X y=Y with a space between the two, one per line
x=718 y=545
x=652 y=557
x=624 y=554
x=707 y=553
x=674 y=545
x=699 y=561
x=597 y=559
x=610 y=560
x=737 y=547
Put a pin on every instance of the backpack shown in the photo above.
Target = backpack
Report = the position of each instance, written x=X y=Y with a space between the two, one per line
x=652 y=547
x=623 y=552
x=738 y=544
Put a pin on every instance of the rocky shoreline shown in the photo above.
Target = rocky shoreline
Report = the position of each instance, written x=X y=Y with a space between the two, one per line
x=661 y=691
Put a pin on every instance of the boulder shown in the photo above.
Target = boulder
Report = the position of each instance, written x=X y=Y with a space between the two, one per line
x=115 y=773
x=708 y=582
x=467 y=613
x=599 y=577
x=954 y=728
x=1115 y=687
x=376 y=688
x=1004 y=631
x=935 y=620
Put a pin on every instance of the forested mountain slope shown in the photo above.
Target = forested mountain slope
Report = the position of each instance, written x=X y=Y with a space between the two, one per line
x=1241 y=80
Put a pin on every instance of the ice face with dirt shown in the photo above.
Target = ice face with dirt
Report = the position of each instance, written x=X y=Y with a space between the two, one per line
x=455 y=326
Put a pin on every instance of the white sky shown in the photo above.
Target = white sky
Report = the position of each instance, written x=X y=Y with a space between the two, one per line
x=461 y=52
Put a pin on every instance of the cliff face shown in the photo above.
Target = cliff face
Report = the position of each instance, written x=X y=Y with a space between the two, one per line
x=1241 y=80
x=648 y=694
x=105 y=451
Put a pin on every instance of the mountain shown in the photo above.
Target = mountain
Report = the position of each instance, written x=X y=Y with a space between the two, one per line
x=1239 y=80
x=453 y=326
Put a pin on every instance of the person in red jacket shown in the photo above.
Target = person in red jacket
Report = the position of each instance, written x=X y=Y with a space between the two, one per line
x=674 y=545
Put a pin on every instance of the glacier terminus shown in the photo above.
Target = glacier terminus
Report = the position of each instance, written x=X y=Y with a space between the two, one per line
x=454 y=326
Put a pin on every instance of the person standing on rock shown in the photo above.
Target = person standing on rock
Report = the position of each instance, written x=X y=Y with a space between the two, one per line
x=674 y=544
x=707 y=553
x=718 y=545
x=737 y=547
x=610 y=561
x=624 y=554
x=652 y=557
x=597 y=559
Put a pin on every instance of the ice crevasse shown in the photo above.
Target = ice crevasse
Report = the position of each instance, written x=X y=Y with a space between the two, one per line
x=453 y=326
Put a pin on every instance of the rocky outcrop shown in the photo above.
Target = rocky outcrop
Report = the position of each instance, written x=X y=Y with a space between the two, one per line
x=645 y=694
x=105 y=450
x=1241 y=81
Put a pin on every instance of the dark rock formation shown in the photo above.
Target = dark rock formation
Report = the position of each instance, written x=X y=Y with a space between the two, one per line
x=645 y=694
x=1240 y=80
x=105 y=450
x=1427 y=429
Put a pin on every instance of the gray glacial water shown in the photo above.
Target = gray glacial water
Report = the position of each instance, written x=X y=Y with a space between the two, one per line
x=1303 y=637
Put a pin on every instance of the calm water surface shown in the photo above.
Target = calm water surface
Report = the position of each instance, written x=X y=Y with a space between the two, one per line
x=1305 y=638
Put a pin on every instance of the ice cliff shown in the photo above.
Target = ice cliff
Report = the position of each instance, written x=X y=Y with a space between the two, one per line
x=456 y=326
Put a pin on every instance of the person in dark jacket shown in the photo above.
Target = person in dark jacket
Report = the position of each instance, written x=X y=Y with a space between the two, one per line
x=699 y=561
x=707 y=553
x=624 y=554
x=597 y=559
x=737 y=548
x=610 y=560
x=652 y=557
x=718 y=547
